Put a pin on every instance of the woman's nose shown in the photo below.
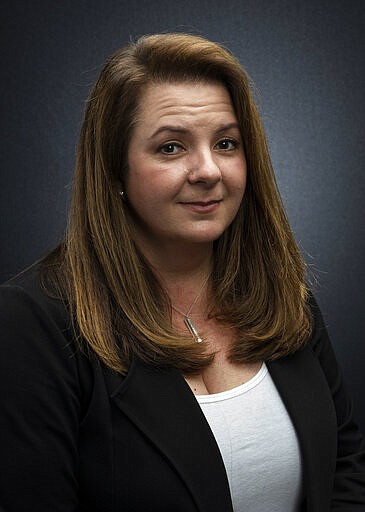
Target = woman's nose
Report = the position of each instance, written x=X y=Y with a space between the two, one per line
x=203 y=168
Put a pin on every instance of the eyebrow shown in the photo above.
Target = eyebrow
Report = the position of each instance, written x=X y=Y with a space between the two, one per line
x=181 y=129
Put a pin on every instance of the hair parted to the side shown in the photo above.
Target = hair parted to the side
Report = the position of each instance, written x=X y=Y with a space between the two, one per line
x=258 y=275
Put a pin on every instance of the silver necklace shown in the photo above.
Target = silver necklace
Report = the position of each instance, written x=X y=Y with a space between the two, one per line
x=187 y=320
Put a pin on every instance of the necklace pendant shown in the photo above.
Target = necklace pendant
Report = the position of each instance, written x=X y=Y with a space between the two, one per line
x=189 y=324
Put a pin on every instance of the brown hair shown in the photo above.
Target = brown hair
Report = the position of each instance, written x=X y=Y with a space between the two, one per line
x=258 y=275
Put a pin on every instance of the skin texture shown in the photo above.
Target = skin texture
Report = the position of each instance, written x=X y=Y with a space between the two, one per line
x=187 y=169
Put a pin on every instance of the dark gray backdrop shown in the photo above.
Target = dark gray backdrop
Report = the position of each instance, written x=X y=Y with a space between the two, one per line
x=307 y=60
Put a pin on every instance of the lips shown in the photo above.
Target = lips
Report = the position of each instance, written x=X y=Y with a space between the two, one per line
x=202 y=206
x=202 y=203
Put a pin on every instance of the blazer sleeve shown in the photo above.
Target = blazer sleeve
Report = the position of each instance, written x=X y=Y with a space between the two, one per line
x=39 y=408
x=349 y=480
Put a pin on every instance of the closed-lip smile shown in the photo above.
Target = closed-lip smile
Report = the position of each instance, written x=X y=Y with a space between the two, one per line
x=203 y=207
x=202 y=203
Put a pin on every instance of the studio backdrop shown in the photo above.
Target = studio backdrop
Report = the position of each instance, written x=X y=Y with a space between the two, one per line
x=306 y=59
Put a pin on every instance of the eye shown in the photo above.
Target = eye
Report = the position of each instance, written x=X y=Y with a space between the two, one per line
x=170 y=148
x=227 y=144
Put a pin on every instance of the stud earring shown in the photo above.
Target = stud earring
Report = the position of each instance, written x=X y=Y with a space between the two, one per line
x=122 y=195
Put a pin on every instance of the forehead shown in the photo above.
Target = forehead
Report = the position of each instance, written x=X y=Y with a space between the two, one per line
x=184 y=102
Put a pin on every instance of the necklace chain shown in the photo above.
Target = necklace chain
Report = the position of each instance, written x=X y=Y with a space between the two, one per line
x=187 y=320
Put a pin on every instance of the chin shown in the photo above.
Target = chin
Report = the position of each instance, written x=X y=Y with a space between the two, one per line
x=204 y=236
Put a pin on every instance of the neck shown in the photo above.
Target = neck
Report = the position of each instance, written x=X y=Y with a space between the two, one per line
x=181 y=270
x=184 y=282
x=175 y=263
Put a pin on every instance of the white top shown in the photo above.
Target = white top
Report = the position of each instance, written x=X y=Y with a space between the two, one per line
x=258 y=444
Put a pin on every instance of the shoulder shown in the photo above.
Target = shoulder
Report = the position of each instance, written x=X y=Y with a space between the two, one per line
x=40 y=350
x=24 y=301
x=34 y=326
x=321 y=346
x=319 y=339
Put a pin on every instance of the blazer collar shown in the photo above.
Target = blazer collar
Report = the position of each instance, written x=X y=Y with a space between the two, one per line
x=161 y=404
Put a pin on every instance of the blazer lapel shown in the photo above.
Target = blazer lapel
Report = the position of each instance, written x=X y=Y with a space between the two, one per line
x=306 y=395
x=162 y=406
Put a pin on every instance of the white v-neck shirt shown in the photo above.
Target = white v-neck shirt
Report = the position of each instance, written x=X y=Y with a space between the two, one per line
x=258 y=444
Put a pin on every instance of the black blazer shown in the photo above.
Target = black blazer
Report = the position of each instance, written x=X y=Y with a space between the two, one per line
x=75 y=436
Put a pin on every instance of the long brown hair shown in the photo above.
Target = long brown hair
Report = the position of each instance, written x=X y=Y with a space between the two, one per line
x=258 y=278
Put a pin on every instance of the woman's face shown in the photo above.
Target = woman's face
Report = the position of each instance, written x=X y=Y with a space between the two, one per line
x=186 y=165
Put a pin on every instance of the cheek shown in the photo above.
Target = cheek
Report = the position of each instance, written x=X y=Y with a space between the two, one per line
x=236 y=180
x=145 y=190
x=152 y=180
x=138 y=179
x=140 y=192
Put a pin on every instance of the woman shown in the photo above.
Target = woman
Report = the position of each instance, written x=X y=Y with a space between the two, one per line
x=168 y=355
